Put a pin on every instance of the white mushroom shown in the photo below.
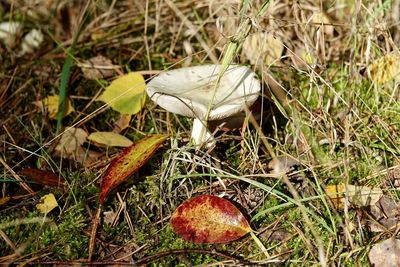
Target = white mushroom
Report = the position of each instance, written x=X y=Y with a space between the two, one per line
x=9 y=31
x=190 y=92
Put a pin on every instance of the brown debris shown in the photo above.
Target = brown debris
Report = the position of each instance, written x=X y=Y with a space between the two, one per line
x=98 y=67
x=43 y=177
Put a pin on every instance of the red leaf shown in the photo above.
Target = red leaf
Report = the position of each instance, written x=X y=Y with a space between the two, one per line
x=209 y=219
x=43 y=177
x=128 y=162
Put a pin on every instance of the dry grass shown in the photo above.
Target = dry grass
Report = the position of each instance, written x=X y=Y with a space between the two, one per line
x=320 y=107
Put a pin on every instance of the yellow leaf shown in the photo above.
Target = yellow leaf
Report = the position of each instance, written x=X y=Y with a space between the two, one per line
x=126 y=94
x=50 y=103
x=385 y=69
x=359 y=196
x=4 y=200
x=110 y=139
x=262 y=48
x=97 y=35
x=48 y=203
x=335 y=194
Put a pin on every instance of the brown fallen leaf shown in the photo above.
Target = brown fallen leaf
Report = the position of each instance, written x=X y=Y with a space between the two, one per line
x=279 y=234
x=386 y=253
x=281 y=165
x=109 y=217
x=122 y=123
x=128 y=162
x=70 y=147
x=71 y=140
x=321 y=20
x=385 y=214
x=87 y=157
x=43 y=177
x=209 y=219
x=98 y=67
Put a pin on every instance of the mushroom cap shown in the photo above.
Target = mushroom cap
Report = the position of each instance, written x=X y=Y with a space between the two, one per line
x=189 y=91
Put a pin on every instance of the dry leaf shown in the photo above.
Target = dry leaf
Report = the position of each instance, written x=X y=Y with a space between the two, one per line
x=358 y=196
x=364 y=195
x=227 y=20
x=281 y=165
x=48 y=203
x=98 y=67
x=50 y=104
x=122 y=123
x=385 y=214
x=126 y=255
x=324 y=22
x=85 y=156
x=262 y=48
x=43 y=177
x=110 y=139
x=209 y=219
x=385 y=69
x=276 y=234
x=109 y=217
x=128 y=162
x=70 y=147
x=71 y=141
x=385 y=254
x=126 y=94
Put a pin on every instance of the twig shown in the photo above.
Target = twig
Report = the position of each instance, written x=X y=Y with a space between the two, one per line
x=151 y=258
x=16 y=176
x=194 y=31
x=93 y=232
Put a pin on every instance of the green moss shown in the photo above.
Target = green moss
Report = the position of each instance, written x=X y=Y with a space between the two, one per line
x=66 y=239
x=63 y=238
x=170 y=241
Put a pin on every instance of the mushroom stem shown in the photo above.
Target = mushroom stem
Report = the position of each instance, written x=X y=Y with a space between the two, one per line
x=200 y=132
